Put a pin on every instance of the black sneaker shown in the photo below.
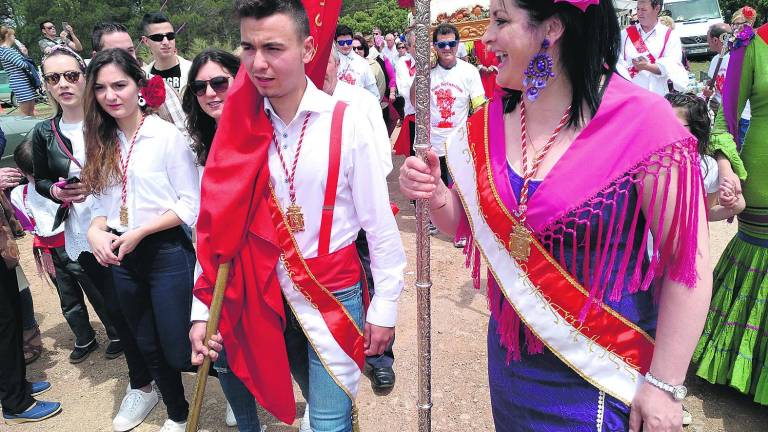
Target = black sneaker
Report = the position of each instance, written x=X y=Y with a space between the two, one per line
x=81 y=353
x=114 y=350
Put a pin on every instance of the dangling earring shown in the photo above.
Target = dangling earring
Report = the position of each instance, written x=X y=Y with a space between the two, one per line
x=539 y=71
x=142 y=101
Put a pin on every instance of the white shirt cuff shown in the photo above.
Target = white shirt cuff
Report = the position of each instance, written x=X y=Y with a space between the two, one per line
x=382 y=312
x=200 y=311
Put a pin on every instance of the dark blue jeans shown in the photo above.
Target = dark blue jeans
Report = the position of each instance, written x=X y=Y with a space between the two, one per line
x=238 y=395
x=153 y=285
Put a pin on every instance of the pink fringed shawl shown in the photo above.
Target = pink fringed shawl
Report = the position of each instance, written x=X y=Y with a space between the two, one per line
x=633 y=145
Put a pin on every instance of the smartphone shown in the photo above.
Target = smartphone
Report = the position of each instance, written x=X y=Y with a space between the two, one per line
x=64 y=25
x=68 y=181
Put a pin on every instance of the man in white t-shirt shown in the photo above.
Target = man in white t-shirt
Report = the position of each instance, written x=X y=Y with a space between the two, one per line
x=651 y=53
x=717 y=68
x=456 y=89
x=353 y=69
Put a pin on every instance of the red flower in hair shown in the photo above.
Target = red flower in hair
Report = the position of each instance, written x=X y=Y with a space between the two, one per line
x=748 y=13
x=406 y=3
x=154 y=92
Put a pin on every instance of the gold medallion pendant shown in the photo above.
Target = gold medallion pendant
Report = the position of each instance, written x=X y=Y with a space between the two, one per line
x=295 y=218
x=520 y=243
x=124 y=215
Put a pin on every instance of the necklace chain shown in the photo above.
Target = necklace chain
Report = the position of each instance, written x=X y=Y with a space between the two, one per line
x=539 y=156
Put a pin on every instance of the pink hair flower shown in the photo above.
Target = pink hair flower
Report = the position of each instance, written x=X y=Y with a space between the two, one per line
x=581 y=4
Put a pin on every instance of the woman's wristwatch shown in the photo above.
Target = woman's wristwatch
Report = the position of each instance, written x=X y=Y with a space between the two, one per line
x=678 y=392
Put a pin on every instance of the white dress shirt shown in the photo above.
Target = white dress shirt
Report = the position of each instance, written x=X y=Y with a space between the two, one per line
x=452 y=94
x=362 y=101
x=355 y=70
x=362 y=197
x=162 y=176
x=671 y=63
x=405 y=73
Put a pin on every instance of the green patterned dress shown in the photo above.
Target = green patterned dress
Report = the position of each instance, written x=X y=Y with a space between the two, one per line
x=733 y=349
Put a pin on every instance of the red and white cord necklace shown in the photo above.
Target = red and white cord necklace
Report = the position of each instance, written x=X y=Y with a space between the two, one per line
x=530 y=172
x=293 y=213
x=124 y=172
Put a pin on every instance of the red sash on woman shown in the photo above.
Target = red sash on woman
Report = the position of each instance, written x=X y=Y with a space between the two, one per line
x=603 y=347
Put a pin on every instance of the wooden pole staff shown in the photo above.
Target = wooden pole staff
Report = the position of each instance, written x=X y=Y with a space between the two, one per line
x=213 y=326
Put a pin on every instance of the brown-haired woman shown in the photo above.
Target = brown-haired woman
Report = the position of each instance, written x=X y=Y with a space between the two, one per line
x=145 y=181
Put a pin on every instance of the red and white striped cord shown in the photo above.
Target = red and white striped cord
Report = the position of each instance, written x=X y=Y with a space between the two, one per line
x=292 y=175
x=528 y=174
x=124 y=163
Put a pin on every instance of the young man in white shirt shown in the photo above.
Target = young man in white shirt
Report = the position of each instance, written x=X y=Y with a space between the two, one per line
x=160 y=37
x=354 y=69
x=651 y=53
x=304 y=322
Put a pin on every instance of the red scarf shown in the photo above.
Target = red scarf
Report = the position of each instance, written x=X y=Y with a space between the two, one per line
x=235 y=225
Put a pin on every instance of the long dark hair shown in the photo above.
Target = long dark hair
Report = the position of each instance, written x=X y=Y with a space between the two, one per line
x=201 y=126
x=696 y=115
x=102 y=168
x=589 y=50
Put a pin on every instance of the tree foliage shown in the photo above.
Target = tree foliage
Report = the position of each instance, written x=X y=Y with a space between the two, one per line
x=730 y=6
x=363 y=15
x=199 y=23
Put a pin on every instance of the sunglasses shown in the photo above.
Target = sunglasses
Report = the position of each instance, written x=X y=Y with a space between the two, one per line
x=53 y=78
x=219 y=84
x=49 y=27
x=158 y=37
x=347 y=42
x=449 y=44
x=358 y=48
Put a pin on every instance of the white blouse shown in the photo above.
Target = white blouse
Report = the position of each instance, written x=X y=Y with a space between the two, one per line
x=162 y=176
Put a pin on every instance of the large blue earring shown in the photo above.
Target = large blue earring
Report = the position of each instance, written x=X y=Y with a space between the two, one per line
x=539 y=71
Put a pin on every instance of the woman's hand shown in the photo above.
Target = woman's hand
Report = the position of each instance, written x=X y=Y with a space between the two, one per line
x=197 y=339
x=654 y=410
x=419 y=179
x=10 y=178
x=127 y=242
x=70 y=193
x=102 y=246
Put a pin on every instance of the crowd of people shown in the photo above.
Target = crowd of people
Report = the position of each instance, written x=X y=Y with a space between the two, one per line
x=274 y=159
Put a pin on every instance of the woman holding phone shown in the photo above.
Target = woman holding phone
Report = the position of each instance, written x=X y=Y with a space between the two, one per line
x=58 y=157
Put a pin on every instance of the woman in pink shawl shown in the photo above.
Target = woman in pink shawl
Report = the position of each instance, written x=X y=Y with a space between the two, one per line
x=582 y=194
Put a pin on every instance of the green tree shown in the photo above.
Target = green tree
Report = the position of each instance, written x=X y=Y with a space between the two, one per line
x=363 y=15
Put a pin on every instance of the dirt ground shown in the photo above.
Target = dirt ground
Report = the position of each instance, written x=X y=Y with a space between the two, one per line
x=91 y=391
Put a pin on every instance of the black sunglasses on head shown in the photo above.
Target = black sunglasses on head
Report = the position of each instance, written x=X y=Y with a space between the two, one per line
x=219 y=84
x=53 y=78
x=158 y=37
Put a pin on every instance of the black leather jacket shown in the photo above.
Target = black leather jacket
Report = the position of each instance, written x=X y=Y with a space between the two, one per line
x=50 y=163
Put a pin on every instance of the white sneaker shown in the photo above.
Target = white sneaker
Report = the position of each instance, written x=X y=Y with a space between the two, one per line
x=172 y=426
x=230 y=419
x=134 y=409
x=305 y=421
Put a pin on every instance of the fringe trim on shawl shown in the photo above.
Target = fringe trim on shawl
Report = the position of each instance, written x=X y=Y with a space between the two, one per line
x=671 y=183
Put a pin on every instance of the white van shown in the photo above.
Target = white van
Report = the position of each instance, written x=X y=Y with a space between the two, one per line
x=692 y=21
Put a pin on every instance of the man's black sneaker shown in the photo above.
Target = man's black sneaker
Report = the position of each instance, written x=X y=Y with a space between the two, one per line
x=114 y=350
x=81 y=353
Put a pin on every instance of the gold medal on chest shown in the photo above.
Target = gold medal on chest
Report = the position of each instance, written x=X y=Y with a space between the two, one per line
x=295 y=218
x=520 y=243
